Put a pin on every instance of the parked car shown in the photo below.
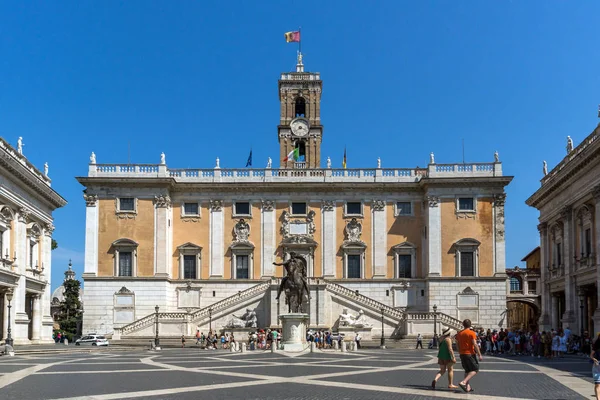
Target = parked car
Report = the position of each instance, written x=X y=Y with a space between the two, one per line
x=92 y=340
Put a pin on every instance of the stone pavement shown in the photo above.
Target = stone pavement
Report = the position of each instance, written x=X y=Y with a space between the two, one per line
x=368 y=374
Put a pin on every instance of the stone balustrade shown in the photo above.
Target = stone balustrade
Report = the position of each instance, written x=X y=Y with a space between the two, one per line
x=301 y=76
x=21 y=159
x=332 y=175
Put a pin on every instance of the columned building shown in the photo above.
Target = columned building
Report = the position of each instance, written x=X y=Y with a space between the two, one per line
x=523 y=306
x=26 y=205
x=200 y=243
x=569 y=205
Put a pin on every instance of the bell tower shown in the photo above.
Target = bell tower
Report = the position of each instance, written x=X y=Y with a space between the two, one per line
x=300 y=126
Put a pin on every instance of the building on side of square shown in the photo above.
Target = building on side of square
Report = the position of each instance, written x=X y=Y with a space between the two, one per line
x=523 y=305
x=26 y=205
x=201 y=243
x=569 y=205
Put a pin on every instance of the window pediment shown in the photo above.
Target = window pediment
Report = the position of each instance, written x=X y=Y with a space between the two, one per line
x=467 y=242
x=403 y=246
x=124 y=242
x=242 y=245
x=189 y=246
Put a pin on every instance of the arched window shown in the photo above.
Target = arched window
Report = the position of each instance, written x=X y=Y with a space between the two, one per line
x=515 y=284
x=300 y=107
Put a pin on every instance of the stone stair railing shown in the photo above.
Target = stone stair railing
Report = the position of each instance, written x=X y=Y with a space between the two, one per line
x=196 y=315
x=441 y=317
x=398 y=314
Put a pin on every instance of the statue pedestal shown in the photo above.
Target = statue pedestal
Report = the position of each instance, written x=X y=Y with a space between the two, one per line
x=350 y=332
x=240 y=334
x=294 y=331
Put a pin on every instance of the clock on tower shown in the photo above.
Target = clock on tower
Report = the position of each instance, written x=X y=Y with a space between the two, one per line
x=300 y=117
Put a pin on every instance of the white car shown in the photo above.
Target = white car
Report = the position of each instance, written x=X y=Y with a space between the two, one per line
x=92 y=340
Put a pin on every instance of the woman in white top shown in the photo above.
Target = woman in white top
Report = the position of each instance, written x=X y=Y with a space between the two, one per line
x=555 y=344
x=562 y=347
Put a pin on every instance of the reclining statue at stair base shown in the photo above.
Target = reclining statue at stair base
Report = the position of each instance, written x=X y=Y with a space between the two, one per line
x=359 y=321
x=248 y=320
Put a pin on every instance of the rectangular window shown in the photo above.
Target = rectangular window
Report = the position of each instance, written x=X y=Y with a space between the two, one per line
x=126 y=204
x=532 y=287
x=125 y=263
x=354 y=208
x=190 y=208
x=189 y=267
x=466 y=204
x=353 y=265
x=588 y=242
x=467 y=263
x=403 y=208
x=404 y=266
x=31 y=253
x=298 y=208
x=242 y=208
x=241 y=266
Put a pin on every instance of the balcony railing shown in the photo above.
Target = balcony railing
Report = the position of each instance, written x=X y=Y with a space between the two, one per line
x=298 y=174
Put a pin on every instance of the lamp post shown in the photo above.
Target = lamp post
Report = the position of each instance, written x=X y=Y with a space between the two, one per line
x=210 y=320
x=435 y=326
x=9 y=340
x=382 y=345
x=156 y=341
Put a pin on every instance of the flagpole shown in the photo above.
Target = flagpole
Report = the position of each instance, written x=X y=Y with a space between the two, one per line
x=300 y=41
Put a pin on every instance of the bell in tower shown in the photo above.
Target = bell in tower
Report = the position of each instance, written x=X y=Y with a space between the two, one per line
x=300 y=129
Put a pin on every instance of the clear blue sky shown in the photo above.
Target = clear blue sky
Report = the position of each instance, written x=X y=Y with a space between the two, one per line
x=401 y=79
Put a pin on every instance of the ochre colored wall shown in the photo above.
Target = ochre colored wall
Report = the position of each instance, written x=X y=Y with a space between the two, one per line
x=185 y=230
x=533 y=261
x=140 y=229
x=404 y=229
x=340 y=226
x=479 y=228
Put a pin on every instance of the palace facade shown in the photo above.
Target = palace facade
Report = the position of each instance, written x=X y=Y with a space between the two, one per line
x=200 y=244
x=26 y=205
x=569 y=205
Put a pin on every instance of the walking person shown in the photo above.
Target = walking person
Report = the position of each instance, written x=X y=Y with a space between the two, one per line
x=446 y=359
x=182 y=341
x=469 y=352
x=198 y=336
x=595 y=357
x=419 y=341
x=357 y=339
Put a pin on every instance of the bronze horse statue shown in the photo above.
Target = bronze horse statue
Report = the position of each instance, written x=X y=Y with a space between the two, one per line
x=295 y=283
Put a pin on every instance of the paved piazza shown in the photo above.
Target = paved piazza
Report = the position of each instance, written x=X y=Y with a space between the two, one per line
x=193 y=373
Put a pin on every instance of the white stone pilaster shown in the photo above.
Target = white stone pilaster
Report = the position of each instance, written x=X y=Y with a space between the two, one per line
x=161 y=236
x=379 y=239
x=570 y=291
x=36 y=316
x=268 y=238
x=47 y=322
x=91 y=235
x=328 y=238
x=544 y=320
x=217 y=258
x=499 y=267
x=434 y=237
x=21 y=243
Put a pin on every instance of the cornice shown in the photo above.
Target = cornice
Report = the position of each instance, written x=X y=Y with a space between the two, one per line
x=31 y=181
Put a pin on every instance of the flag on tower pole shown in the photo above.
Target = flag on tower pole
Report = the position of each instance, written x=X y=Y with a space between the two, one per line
x=292 y=36
x=249 y=162
x=294 y=154
x=344 y=159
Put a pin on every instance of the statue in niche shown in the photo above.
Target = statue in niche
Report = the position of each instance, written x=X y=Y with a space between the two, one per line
x=241 y=231
x=248 y=320
x=353 y=230
x=359 y=321
x=285 y=226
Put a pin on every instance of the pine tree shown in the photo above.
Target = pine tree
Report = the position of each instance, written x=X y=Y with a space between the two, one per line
x=70 y=312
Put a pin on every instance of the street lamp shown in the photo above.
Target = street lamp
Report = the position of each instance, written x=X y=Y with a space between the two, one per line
x=210 y=320
x=156 y=341
x=435 y=326
x=382 y=345
x=9 y=341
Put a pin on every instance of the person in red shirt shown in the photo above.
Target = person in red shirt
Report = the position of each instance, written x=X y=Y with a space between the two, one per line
x=469 y=352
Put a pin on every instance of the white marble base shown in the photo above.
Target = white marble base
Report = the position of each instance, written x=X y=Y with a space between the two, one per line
x=294 y=331
x=350 y=332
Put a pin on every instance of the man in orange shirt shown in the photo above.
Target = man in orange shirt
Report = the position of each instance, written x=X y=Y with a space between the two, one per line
x=467 y=347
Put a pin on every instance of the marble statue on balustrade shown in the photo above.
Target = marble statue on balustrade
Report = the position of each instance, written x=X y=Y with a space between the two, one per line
x=93 y=158
x=359 y=321
x=248 y=320
x=269 y=163
x=569 y=144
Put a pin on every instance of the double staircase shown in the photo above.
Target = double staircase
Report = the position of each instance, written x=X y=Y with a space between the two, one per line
x=198 y=316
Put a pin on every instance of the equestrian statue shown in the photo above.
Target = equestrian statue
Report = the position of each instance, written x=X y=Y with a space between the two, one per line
x=295 y=283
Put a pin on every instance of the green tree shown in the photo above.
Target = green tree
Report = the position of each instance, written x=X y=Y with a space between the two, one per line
x=70 y=308
x=54 y=245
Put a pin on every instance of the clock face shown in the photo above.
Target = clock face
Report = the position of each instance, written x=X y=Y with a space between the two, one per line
x=299 y=127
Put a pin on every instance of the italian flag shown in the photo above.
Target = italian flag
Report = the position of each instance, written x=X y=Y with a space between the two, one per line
x=294 y=154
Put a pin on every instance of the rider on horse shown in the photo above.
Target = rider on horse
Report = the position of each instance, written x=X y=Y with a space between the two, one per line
x=291 y=265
